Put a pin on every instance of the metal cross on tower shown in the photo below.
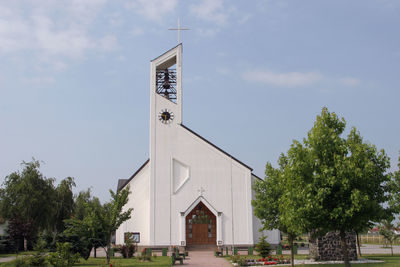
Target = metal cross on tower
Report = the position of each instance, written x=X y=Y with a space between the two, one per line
x=179 y=29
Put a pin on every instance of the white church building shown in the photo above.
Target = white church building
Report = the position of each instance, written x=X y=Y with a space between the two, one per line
x=189 y=192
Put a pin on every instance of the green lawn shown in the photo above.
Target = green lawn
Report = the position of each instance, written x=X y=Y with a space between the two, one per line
x=116 y=262
x=389 y=261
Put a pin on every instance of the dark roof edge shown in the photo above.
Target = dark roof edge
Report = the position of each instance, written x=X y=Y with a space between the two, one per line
x=208 y=142
x=257 y=176
x=166 y=52
x=133 y=176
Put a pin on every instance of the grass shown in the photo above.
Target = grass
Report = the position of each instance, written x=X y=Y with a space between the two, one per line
x=116 y=262
x=155 y=262
x=389 y=261
x=14 y=254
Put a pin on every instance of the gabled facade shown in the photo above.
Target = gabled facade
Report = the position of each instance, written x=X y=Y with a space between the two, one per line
x=189 y=192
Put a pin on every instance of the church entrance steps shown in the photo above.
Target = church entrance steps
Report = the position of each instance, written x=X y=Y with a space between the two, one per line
x=201 y=247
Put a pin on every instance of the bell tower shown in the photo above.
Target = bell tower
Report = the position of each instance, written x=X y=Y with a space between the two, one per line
x=165 y=117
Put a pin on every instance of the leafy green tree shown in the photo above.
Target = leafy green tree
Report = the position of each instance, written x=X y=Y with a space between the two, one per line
x=386 y=229
x=334 y=183
x=84 y=202
x=113 y=216
x=98 y=225
x=269 y=205
x=64 y=203
x=27 y=198
x=341 y=183
x=63 y=257
x=394 y=184
x=82 y=231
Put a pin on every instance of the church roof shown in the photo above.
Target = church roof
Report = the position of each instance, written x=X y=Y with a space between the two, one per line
x=123 y=182
x=208 y=142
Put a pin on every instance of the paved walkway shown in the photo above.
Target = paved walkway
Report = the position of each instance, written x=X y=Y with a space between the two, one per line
x=205 y=258
x=7 y=259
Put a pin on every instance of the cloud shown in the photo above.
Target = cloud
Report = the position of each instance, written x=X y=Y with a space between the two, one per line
x=350 y=81
x=223 y=71
x=136 y=31
x=51 y=28
x=40 y=80
x=211 y=10
x=297 y=79
x=108 y=43
x=153 y=10
x=245 y=18
x=288 y=79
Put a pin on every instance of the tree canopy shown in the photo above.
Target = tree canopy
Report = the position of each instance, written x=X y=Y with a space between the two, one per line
x=331 y=183
x=27 y=200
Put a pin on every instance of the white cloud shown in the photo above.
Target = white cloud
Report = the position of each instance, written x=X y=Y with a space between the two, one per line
x=51 y=28
x=137 y=31
x=108 y=43
x=349 y=81
x=71 y=42
x=245 y=18
x=153 y=10
x=223 y=70
x=288 y=79
x=212 y=11
x=40 y=80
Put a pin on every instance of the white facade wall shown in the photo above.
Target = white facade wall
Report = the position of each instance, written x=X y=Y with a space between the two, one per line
x=139 y=200
x=223 y=183
x=226 y=184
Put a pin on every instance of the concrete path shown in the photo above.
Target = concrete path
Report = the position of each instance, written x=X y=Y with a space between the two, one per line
x=205 y=258
x=7 y=259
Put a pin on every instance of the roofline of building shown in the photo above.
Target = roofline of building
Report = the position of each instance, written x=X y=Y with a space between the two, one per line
x=216 y=147
x=257 y=176
x=166 y=52
x=133 y=176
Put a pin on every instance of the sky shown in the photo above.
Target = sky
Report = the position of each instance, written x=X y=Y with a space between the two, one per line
x=74 y=78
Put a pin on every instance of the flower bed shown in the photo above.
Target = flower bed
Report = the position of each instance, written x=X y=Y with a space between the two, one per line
x=266 y=261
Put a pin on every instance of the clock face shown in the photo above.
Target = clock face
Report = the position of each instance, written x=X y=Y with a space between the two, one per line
x=166 y=116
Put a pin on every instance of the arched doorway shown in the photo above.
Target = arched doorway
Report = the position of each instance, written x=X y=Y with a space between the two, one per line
x=201 y=226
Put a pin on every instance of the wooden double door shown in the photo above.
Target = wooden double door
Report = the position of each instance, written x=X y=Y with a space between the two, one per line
x=201 y=226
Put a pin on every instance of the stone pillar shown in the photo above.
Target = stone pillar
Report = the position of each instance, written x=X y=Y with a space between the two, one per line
x=329 y=248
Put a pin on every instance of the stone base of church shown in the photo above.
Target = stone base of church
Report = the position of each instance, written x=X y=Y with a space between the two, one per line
x=329 y=248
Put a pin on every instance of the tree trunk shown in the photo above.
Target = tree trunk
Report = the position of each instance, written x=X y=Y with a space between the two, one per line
x=391 y=247
x=107 y=249
x=344 y=248
x=291 y=249
x=25 y=244
x=95 y=252
x=358 y=244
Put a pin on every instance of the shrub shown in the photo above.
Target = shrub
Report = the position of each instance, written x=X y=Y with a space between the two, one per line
x=63 y=257
x=21 y=262
x=242 y=262
x=38 y=259
x=127 y=251
x=235 y=258
x=263 y=247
